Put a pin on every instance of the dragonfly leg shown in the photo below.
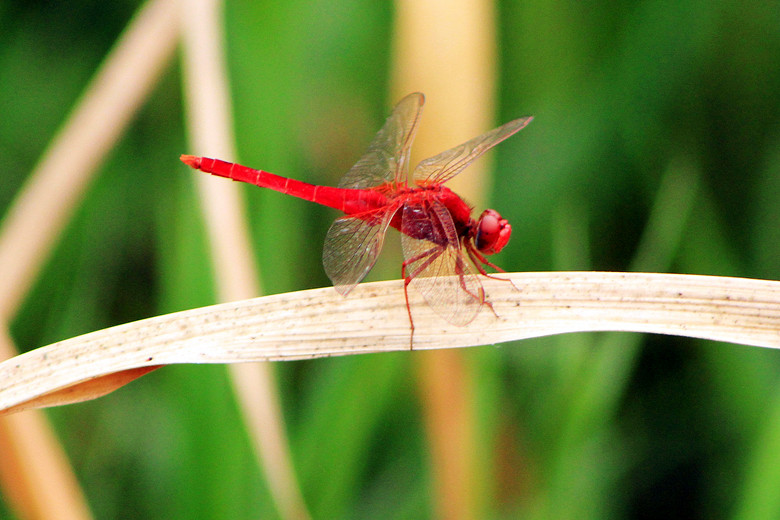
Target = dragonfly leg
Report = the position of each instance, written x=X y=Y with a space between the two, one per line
x=490 y=306
x=428 y=252
x=427 y=257
x=408 y=279
x=408 y=307
x=478 y=259
x=461 y=278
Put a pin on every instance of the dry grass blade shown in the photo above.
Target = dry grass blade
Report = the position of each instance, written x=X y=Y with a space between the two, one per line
x=35 y=472
x=459 y=79
x=210 y=129
x=319 y=322
x=112 y=98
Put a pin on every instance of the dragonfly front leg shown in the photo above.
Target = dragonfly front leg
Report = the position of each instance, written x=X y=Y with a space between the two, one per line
x=478 y=259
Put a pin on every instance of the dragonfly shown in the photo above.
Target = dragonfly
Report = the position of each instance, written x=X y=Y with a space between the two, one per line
x=444 y=247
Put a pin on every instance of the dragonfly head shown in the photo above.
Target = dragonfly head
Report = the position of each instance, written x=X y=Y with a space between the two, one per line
x=492 y=233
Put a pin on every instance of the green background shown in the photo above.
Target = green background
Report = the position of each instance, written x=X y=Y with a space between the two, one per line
x=655 y=147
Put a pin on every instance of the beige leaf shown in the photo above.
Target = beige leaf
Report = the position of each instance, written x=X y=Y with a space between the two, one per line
x=320 y=322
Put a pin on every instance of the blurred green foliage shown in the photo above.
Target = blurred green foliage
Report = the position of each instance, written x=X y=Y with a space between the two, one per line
x=629 y=98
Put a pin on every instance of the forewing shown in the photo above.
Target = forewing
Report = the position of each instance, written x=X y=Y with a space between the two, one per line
x=387 y=157
x=352 y=247
x=440 y=168
x=436 y=264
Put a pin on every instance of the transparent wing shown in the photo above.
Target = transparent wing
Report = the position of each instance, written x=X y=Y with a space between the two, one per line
x=387 y=157
x=436 y=265
x=352 y=246
x=440 y=168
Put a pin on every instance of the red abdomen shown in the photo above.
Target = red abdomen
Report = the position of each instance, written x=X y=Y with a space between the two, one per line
x=348 y=201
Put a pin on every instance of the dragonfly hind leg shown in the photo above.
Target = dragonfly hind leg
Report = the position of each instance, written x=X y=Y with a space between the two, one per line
x=408 y=280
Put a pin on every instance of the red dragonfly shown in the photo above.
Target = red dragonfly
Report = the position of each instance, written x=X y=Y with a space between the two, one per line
x=442 y=244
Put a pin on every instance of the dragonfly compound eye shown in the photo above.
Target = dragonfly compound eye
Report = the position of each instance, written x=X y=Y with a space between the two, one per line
x=493 y=232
